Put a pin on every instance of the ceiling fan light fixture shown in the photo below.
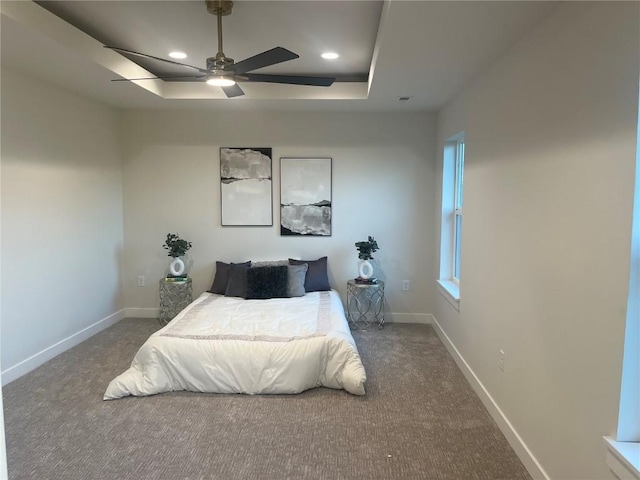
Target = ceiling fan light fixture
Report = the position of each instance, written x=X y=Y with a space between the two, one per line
x=330 y=55
x=221 y=82
x=179 y=55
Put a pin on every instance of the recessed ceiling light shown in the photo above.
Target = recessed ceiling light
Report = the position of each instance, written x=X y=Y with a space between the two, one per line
x=178 y=55
x=330 y=55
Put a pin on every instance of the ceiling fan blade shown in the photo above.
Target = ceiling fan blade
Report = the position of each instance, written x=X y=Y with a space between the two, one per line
x=193 y=77
x=233 y=91
x=264 y=59
x=131 y=52
x=291 y=79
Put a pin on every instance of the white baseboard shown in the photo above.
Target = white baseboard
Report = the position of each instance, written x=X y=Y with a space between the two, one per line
x=423 y=318
x=34 y=361
x=526 y=456
x=141 y=312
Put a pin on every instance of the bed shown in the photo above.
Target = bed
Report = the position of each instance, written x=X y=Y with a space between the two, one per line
x=229 y=344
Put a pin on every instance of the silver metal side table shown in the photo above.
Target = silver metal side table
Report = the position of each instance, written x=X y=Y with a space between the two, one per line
x=365 y=304
x=174 y=297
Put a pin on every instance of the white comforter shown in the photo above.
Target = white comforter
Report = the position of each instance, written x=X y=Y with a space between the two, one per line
x=230 y=345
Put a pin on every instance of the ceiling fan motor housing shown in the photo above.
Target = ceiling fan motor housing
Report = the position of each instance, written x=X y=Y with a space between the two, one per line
x=219 y=62
x=219 y=7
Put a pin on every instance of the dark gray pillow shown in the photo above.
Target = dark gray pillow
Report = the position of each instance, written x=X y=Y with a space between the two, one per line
x=267 y=282
x=237 y=285
x=221 y=278
x=297 y=276
x=317 y=279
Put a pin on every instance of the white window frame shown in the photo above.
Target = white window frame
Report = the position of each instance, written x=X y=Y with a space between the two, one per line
x=457 y=209
x=452 y=201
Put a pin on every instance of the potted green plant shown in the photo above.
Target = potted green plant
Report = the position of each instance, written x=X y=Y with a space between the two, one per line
x=177 y=247
x=365 y=249
x=365 y=253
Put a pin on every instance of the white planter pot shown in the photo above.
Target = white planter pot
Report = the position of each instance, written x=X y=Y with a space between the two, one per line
x=365 y=269
x=176 y=267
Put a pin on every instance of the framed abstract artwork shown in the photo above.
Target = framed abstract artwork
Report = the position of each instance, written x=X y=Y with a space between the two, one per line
x=305 y=196
x=246 y=187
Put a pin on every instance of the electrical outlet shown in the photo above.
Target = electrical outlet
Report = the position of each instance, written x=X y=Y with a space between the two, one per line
x=141 y=280
x=501 y=361
x=406 y=285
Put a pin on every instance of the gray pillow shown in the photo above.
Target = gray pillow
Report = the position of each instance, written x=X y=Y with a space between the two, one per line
x=237 y=285
x=270 y=263
x=221 y=278
x=297 y=275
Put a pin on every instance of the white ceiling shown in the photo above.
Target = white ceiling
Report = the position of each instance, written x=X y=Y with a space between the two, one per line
x=427 y=50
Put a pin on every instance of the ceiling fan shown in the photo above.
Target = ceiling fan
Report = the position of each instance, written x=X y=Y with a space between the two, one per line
x=224 y=72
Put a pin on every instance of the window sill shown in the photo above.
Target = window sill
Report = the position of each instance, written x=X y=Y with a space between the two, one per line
x=451 y=292
x=623 y=459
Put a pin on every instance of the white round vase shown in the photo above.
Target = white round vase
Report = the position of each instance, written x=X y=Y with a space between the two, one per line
x=176 y=267
x=365 y=269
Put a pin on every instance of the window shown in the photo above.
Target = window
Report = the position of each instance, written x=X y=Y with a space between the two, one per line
x=623 y=456
x=451 y=231
x=623 y=451
x=457 y=212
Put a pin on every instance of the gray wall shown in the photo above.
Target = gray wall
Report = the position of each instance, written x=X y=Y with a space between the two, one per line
x=62 y=221
x=549 y=184
x=383 y=185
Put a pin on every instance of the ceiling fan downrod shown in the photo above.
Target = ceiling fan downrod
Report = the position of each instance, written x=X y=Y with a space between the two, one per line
x=219 y=8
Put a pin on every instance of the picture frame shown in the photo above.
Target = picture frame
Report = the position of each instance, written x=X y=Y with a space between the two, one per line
x=246 y=187
x=305 y=196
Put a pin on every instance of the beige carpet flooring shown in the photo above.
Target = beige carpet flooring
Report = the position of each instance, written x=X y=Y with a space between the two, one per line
x=420 y=419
